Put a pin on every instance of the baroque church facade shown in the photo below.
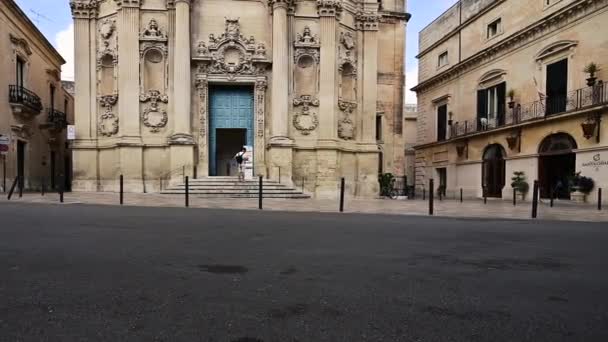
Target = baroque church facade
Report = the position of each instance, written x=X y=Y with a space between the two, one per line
x=167 y=88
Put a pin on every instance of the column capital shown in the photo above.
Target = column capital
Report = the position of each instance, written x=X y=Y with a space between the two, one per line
x=329 y=8
x=367 y=21
x=187 y=2
x=276 y=4
x=128 y=3
x=83 y=9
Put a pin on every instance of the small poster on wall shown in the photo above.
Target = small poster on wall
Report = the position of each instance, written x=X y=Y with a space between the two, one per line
x=248 y=163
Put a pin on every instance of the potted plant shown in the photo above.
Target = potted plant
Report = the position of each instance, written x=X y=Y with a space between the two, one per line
x=520 y=185
x=511 y=95
x=580 y=187
x=387 y=183
x=591 y=69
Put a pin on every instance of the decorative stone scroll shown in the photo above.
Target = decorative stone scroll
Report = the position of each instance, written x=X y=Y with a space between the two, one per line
x=231 y=54
x=346 y=125
x=306 y=120
x=108 y=121
x=153 y=116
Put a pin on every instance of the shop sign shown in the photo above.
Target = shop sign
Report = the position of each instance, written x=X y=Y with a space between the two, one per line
x=596 y=163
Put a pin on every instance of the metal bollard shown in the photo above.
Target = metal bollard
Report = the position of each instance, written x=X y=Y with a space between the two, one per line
x=10 y=193
x=61 y=189
x=485 y=196
x=551 y=197
x=342 y=195
x=187 y=191
x=121 y=190
x=431 y=198
x=461 y=199
x=424 y=194
x=21 y=185
x=535 y=200
x=260 y=193
x=514 y=197
x=599 y=199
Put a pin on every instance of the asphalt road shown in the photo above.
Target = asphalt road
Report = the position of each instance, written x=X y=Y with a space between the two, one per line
x=92 y=273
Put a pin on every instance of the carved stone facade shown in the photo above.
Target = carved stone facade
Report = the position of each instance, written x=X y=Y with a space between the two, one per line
x=292 y=72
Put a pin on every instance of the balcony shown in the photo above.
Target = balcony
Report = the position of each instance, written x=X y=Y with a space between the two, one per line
x=56 y=120
x=24 y=103
x=574 y=101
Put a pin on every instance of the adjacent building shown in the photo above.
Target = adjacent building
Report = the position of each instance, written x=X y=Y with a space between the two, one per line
x=34 y=108
x=508 y=86
x=313 y=87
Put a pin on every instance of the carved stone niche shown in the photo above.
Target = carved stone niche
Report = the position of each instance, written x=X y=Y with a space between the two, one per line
x=108 y=120
x=153 y=32
x=306 y=59
x=306 y=119
x=231 y=54
x=346 y=125
x=347 y=50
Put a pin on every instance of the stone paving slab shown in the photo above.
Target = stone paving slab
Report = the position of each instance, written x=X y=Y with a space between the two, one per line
x=472 y=208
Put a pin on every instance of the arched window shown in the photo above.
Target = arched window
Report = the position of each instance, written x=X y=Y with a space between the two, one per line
x=559 y=143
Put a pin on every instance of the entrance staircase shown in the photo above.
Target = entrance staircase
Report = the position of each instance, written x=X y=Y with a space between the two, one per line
x=230 y=187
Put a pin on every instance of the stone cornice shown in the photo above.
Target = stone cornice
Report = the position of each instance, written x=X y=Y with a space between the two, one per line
x=539 y=29
x=329 y=8
x=367 y=21
x=84 y=9
x=130 y=3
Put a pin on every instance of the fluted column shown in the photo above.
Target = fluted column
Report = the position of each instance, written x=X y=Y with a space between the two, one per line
x=368 y=24
x=280 y=73
x=128 y=70
x=182 y=75
x=329 y=10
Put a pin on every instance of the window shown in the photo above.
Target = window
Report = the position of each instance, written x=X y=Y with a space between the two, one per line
x=557 y=87
x=442 y=122
x=494 y=28
x=491 y=106
x=443 y=59
x=19 y=76
x=378 y=127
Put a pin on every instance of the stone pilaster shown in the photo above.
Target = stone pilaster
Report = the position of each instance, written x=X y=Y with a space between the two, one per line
x=329 y=11
x=182 y=74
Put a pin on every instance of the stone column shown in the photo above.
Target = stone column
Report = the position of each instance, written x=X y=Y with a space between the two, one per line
x=182 y=142
x=85 y=175
x=128 y=71
x=182 y=78
x=329 y=10
x=280 y=154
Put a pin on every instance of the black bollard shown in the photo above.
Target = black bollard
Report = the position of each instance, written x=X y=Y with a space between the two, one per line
x=514 y=197
x=61 y=189
x=599 y=199
x=535 y=200
x=424 y=194
x=485 y=196
x=431 y=198
x=21 y=185
x=10 y=193
x=121 y=190
x=342 y=195
x=461 y=199
x=551 y=197
x=187 y=192
x=260 y=193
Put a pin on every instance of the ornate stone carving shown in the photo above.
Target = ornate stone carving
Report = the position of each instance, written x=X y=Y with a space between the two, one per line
x=203 y=93
x=107 y=28
x=347 y=51
x=231 y=54
x=260 y=104
x=288 y=4
x=84 y=9
x=108 y=121
x=106 y=51
x=128 y=3
x=306 y=44
x=21 y=43
x=367 y=21
x=346 y=125
x=306 y=120
x=153 y=116
x=153 y=32
x=329 y=8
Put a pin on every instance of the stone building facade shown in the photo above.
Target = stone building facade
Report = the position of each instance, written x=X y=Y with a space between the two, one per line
x=502 y=89
x=34 y=107
x=166 y=85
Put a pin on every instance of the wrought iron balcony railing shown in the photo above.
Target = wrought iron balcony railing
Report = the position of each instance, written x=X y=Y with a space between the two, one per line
x=27 y=98
x=57 y=119
x=576 y=100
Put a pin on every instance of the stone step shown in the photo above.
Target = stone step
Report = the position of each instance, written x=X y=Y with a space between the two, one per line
x=229 y=191
x=230 y=187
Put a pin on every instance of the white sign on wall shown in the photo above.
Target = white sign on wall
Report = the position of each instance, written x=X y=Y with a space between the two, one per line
x=248 y=163
x=5 y=143
x=71 y=132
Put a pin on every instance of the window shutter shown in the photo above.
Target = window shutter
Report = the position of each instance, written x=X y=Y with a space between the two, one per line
x=482 y=104
x=501 y=92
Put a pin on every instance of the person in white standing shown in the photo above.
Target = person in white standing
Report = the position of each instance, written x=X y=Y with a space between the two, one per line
x=240 y=158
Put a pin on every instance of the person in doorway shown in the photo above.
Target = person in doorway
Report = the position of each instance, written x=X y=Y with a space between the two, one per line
x=240 y=158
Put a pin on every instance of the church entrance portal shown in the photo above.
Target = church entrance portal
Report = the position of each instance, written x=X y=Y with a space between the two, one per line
x=230 y=126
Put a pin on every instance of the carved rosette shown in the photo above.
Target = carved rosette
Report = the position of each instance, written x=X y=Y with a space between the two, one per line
x=346 y=125
x=108 y=121
x=153 y=116
x=329 y=8
x=306 y=120
x=260 y=105
x=231 y=54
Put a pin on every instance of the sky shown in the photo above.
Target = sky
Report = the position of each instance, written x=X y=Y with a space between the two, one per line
x=54 y=19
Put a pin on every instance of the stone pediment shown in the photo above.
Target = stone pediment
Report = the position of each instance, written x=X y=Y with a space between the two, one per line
x=231 y=53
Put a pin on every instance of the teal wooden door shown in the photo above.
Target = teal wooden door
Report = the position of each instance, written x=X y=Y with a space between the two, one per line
x=229 y=107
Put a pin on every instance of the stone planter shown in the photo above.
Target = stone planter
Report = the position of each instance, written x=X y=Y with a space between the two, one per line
x=591 y=81
x=521 y=196
x=578 y=197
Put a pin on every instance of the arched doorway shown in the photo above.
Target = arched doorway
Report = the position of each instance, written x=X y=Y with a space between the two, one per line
x=556 y=164
x=493 y=171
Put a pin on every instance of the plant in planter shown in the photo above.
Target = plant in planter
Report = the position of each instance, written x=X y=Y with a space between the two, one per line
x=387 y=184
x=511 y=95
x=580 y=187
x=591 y=69
x=520 y=185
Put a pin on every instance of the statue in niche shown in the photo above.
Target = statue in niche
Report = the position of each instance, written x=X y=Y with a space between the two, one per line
x=306 y=37
x=153 y=30
x=233 y=29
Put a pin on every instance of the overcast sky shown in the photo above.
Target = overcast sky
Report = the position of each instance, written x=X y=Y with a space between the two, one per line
x=54 y=19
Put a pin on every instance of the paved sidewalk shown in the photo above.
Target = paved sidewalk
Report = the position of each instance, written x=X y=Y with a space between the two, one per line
x=448 y=208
